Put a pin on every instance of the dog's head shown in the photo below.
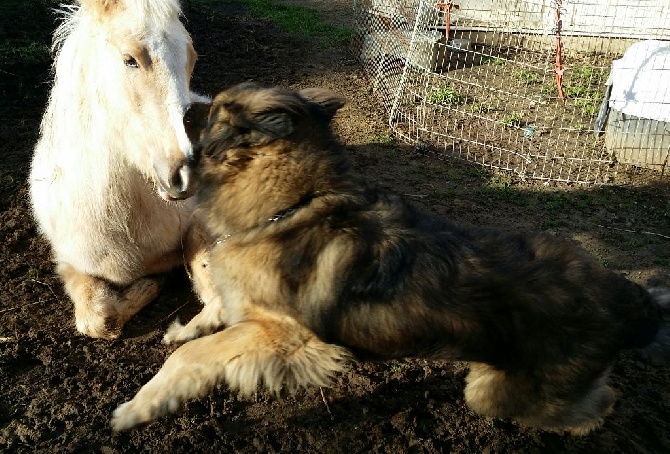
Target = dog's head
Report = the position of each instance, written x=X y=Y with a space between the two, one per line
x=260 y=150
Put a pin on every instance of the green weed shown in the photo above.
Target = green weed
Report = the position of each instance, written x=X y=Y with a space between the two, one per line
x=13 y=50
x=584 y=88
x=500 y=182
x=513 y=120
x=480 y=108
x=32 y=273
x=445 y=95
x=385 y=138
x=526 y=77
x=493 y=61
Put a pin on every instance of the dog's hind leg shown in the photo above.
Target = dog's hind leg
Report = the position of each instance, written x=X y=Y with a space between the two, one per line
x=100 y=310
x=278 y=352
x=496 y=393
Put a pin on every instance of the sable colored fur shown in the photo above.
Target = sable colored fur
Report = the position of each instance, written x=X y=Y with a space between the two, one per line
x=312 y=264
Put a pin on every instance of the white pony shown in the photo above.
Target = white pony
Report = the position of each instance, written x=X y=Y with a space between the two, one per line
x=110 y=168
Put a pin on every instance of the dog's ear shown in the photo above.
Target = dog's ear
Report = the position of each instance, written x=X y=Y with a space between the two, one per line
x=275 y=123
x=329 y=101
x=195 y=120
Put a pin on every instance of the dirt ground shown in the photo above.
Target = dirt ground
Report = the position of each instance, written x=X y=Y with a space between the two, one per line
x=58 y=388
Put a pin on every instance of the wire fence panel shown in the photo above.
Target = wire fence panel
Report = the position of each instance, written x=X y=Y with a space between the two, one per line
x=526 y=86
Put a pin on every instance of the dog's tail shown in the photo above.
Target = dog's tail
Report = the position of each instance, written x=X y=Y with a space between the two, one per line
x=658 y=350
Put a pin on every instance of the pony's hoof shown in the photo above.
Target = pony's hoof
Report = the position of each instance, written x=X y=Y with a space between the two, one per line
x=107 y=328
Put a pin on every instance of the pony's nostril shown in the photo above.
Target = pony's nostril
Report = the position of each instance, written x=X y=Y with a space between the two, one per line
x=180 y=180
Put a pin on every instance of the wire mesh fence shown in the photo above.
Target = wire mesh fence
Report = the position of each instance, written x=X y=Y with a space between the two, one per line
x=526 y=86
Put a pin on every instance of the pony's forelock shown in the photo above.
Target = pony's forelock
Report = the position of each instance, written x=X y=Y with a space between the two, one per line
x=160 y=12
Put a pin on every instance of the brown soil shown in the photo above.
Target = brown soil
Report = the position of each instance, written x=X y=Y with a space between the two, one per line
x=58 y=389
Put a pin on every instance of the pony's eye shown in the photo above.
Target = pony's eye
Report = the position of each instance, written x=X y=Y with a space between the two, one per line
x=130 y=61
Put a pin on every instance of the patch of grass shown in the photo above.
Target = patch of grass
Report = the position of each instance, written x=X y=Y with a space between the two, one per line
x=554 y=223
x=613 y=235
x=588 y=107
x=297 y=20
x=641 y=241
x=481 y=108
x=584 y=86
x=420 y=170
x=500 y=189
x=385 y=138
x=445 y=95
x=526 y=77
x=493 y=61
x=24 y=50
x=397 y=366
x=500 y=182
x=447 y=194
x=477 y=172
x=513 y=120
x=556 y=202
x=453 y=174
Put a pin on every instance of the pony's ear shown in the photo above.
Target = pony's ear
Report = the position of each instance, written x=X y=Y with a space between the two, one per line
x=274 y=123
x=329 y=101
x=100 y=8
x=195 y=120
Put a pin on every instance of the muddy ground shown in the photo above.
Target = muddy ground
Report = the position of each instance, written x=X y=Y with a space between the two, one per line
x=58 y=389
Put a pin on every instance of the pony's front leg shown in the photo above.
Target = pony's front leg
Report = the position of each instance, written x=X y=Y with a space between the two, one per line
x=100 y=310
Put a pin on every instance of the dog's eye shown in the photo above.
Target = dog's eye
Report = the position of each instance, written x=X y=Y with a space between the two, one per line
x=130 y=61
x=243 y=130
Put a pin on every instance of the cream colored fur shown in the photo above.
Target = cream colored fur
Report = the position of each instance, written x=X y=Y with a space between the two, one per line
x=106 y=130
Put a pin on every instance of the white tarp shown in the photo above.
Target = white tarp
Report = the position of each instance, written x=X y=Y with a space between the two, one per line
x=640 y=81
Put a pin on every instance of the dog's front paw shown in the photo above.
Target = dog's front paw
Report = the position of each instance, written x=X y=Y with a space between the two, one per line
x=137 y=411
x=126 y=417
x=178 y=333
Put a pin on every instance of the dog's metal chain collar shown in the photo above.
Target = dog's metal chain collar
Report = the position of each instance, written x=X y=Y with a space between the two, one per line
x=276 y=217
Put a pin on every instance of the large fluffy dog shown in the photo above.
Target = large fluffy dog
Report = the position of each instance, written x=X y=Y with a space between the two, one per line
x=311 y=264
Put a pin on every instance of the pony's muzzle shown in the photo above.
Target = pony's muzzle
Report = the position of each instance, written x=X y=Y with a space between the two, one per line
x=177 y=182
